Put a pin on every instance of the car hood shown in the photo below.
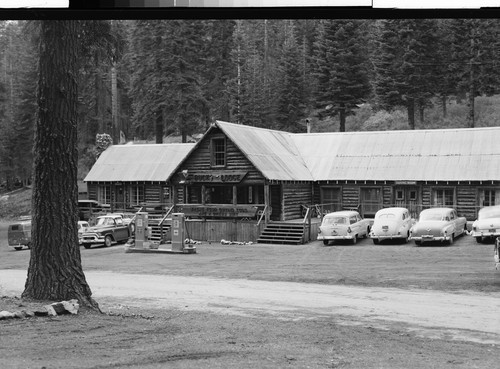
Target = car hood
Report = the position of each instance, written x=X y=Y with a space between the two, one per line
x=487 y=223
x=98 y=229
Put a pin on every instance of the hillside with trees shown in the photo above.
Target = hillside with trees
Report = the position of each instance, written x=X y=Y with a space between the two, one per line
x=149 y=79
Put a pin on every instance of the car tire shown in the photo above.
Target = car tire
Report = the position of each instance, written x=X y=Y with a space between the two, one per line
x=375 y=241
x=326 y=242
x=18 y=248
x=108 y=241
x=355 y=239
x=452 y=238
x=87 y=246
x=418 y=243
x=479 y=239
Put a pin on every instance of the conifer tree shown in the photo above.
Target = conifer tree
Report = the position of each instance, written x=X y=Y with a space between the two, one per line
x=342 y=74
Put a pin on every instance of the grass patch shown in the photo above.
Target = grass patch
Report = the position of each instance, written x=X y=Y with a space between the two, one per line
x=15 y=204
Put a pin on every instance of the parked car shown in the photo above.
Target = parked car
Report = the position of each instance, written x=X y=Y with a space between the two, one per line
x=391 y=223
x=487 y=224
x=109 y=228
x=438 y=224
x=19 y=233
x=343 y=225
x=496 y=253
x=82 y=227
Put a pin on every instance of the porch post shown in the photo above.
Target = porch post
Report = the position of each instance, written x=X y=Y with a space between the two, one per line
x=267 y=202
x=235 y=195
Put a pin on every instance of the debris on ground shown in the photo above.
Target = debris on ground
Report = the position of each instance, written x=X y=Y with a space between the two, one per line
x=57 y=308
x=225 y=242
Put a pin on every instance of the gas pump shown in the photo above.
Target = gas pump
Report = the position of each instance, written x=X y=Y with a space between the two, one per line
x=141 y=230
x=178 y=231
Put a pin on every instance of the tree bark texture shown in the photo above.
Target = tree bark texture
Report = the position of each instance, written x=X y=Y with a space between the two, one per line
x=411 y=112
x=55 y=270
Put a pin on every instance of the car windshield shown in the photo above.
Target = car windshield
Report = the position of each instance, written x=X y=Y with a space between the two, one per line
x=335 y=220
x=489 y=213
x=105 y=221
x=386 y=216
x=433 y=216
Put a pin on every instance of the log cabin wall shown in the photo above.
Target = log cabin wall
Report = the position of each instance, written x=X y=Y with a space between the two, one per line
x=350 y=196
x=201 y=159
x=294 y=196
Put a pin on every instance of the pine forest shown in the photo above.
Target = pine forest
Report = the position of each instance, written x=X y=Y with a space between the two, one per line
x=161 y=81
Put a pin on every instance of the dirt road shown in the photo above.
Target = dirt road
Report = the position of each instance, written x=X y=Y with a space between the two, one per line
x=467 y=316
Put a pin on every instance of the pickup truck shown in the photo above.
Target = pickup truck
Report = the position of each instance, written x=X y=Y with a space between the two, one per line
x=108 y=229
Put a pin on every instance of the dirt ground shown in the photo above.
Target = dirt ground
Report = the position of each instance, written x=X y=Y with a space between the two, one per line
x=267 y=306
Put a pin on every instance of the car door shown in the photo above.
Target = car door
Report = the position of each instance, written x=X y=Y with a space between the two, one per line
x=121 y=231
x=355 y=224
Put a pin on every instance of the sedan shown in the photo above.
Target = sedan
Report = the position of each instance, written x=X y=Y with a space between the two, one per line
x=487 y=225
x=438 y=224
x=343 y=225
x=391 y=223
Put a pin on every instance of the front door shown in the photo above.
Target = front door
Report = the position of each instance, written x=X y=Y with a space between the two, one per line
x=119 y=198
x=407 y=197
x=276 y=201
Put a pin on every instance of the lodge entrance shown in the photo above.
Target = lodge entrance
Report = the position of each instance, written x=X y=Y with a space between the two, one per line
x=407 y=197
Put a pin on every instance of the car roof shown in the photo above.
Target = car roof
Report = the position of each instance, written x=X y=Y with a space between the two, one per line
x=392 y=210
x=437 y=210
x=343 y=213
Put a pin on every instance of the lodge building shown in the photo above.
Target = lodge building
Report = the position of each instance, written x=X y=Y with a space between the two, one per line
x=240 y=177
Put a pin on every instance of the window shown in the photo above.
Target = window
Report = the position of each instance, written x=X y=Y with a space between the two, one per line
x=444 y=197
x=330 y=198
x=400 y=195
x=413 y=195
x=219 y=152
x=371 y=200
x=489 y=197
x=136 y=195
x=104 y=195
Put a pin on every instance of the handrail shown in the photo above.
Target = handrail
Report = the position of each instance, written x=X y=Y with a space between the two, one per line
x=135 y=215
x=307 y=214
x=166 y=215
x=262 y=215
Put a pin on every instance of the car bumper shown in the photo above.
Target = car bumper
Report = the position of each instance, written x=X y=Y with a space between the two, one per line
x=88 y=240
x=486 y=234
x=338 y=237
x=430 y=238
x=387 y=236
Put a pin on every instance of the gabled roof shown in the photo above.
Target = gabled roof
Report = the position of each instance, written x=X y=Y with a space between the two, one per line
x=137 y=163
x=273 y=153
x=461 y=154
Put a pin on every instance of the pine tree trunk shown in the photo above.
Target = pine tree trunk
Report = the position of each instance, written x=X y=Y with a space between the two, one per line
x=470 y=99
x=443 y=105
x=159 y=126
x=55 y=270
x=114 y=105
x=411 y=112
x=342 y=119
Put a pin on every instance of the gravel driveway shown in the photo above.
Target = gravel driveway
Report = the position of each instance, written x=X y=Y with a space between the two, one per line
x=468 y=316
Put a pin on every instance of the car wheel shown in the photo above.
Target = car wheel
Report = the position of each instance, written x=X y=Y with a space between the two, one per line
x=479 y=239
x=87 y=246
x=18 y=248
x=418 y=243
x=375 y=241
x=108 y=241
x=326 y=242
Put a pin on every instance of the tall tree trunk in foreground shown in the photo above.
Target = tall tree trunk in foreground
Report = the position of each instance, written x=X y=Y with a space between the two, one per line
x=55 y=269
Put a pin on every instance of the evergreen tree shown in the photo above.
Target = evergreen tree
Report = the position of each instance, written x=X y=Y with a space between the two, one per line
x=342 y=75
x=291 y=107
x=55 y=270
